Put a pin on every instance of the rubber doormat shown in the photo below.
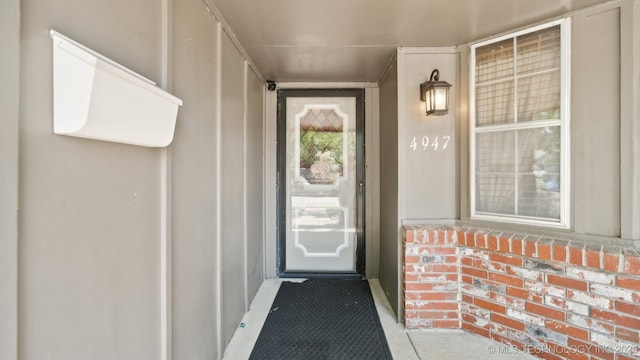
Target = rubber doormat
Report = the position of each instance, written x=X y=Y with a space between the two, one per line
x=322 y=319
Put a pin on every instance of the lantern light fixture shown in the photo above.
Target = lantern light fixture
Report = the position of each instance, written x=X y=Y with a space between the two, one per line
x=435 y=94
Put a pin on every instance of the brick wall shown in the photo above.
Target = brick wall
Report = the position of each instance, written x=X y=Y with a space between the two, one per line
x=554 y=298
x=431 y=279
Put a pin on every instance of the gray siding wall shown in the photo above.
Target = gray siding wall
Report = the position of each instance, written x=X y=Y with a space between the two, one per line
x=595 y=122
x=89 y=224
x=233 y=180
x=254 y=194
x=435 y=185
x=10 y=104
x=389 y=224
x=595 y=126
x=194 y=179
x=95 y=216
x=427 y=188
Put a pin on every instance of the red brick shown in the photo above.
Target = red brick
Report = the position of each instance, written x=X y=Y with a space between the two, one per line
x=469 y=318
x=626 y=334
x=474 y=272
x=544 y=250
x=567 y=329
x=506 y=259
x=574 y=354
x=422 y=236
x=587 y=347
x=443 y=237
x=444 y=268
x=611 y=262
x=409 y=236
x=466 y=261
x=505 y=279
x=446 y=324
x=492 y=242
x=632 y=262
x=481 y=241
x=438 y=315
x=544 y=311
x=411 y=314
x=622 y=357
x=516 y=246
x=529 y=247
x=524 y=294
x=469 y=239
x=503 y=244
x=411 y=259
x=575 y=255
x=490 y=306
x=560 y=252
x=480 y=264
x=467 y=299
x=425 y=296
x=467 y=279
x=593 y=257
x=444 y=250
x=411 y=277
x=626 y=321
x=451 y=277
x=604 y=354
x=507 y=321
x=418 y=286
x=495 y=266
x=631 y=309
x=629 y=283
x=442 y=305
x=460 y=237
x=477 y=330
x=565 y=282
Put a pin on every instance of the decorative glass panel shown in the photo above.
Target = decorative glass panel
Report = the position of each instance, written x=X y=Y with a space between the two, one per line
x=321 y=146
x=321 y=184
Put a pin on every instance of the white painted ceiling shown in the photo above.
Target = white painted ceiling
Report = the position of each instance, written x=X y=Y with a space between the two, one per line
x=353 y=40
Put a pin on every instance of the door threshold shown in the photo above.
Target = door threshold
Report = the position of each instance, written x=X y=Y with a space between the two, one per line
x=325 y=275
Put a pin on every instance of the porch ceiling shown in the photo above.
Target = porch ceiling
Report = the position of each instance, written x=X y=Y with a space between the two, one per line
x=352 y=40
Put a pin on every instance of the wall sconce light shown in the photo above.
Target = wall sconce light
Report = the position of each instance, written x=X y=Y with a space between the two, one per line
x=435 y=94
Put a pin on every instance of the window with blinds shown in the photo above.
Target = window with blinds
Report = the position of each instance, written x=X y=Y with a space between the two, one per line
x=519 y=131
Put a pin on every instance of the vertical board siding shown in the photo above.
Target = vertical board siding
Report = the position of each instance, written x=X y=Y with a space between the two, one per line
x=194 y=177
x=89 y=255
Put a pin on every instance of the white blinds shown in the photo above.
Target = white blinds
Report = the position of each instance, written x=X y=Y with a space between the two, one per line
x=518 y=126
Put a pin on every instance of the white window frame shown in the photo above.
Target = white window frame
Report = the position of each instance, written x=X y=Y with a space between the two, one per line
x=565 y=156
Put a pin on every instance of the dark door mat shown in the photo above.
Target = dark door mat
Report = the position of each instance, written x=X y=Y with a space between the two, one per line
x=322 y=319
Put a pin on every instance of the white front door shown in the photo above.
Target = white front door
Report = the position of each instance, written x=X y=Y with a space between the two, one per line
x=321 y=182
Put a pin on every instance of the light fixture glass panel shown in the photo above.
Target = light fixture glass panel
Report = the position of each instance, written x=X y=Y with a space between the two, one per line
x=441 y=98
x=429 y=97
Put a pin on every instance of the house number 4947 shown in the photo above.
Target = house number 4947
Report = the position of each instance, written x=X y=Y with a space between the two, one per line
x=434 y=143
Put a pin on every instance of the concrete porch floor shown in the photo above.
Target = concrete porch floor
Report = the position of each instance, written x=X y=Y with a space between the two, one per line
x=404 y=344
